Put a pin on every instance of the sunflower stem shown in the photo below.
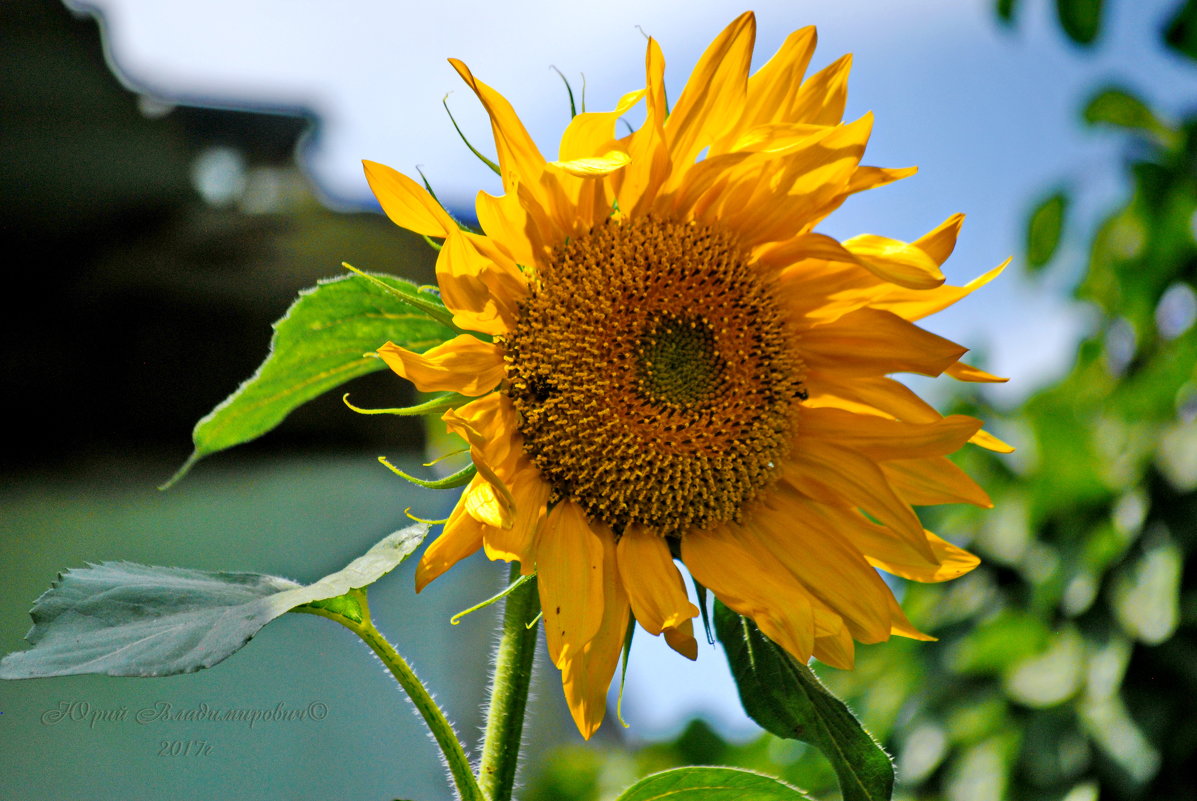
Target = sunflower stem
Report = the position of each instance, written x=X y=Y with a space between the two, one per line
x=442 y=731
x=510 y=680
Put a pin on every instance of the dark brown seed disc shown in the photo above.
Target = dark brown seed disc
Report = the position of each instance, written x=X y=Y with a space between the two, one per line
x=654 y=376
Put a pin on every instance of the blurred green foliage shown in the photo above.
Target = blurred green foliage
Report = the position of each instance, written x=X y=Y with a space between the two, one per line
x=1067 y=659
x=1080 y=19
x=1044 y=229
x=1181 y=33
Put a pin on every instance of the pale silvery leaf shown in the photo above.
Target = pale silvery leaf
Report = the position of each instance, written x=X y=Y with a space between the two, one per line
x=125 y=619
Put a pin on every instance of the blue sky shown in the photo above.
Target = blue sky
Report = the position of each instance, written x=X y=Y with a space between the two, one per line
x=989 y=115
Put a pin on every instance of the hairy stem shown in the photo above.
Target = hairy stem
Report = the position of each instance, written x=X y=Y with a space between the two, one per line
x=509 y=691
x=438 y=724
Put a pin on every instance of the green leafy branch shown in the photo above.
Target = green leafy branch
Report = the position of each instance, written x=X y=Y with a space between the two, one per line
x=326 y=338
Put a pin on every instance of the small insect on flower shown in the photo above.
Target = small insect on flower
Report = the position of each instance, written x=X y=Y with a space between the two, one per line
x=664 y=360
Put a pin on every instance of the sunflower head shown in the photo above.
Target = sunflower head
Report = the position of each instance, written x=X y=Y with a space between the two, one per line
x=663 y=359
x=654 y=376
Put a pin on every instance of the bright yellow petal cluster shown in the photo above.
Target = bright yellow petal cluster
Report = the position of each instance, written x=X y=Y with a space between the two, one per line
x=757 y=161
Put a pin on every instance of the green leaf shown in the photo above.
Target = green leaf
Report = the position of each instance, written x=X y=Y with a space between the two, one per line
x=1005 y=10
x=1044 y=229
x=346 y=606
x=327 y=337
x=1080 y=19
x=710 y=784
x=786 y=698
x=125 y=619
x=1120 y=108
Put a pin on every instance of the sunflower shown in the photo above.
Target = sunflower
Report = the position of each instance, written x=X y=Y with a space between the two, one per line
x=661 y=360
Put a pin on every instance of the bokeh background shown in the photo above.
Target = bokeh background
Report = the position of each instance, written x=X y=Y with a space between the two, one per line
x=171 y=175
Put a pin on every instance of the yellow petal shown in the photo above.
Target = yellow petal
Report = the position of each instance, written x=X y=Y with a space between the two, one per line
x=463 y=364
x=872 y=177
x=917 y=304
x=593 y=131
x=774 y=138
x=837 y=650
x=886 y=396
x=871 y=342
x=479 y=284
x=779 y=606
x=797 y=539
x=939 y=242
x=821 y=168
x=881 y=439
x=489 y=426
x=637 y=184
x=714 y=94
x=530 y=494
x=461 y=537
x=814 y=291
x=928 y=482
x=654 y=585
x=406 y=202
x=811 y=246
x=593 y=203
x=965 y=372
x=824 y=396
x=505 y=222
x=991 y=443
x=549 y=211
x=901 y=625
x=595 y=166
x=886 y=550
x=709 y=178
x=842 y=183
x=681 y=639
x=569 y=565
x=586 y=674
x=823 y=96
x=954 y=562
x=508 y=494
x=520 y=160
x=798 y=188
x=487 y=505
x=773 y=88
x=898 y=262
x=818 y=283
x=842 y=477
